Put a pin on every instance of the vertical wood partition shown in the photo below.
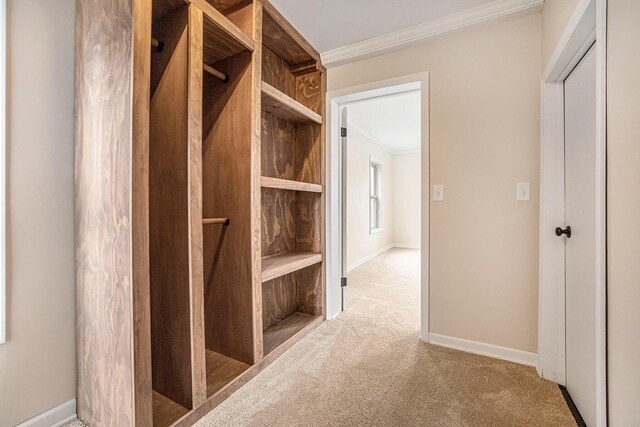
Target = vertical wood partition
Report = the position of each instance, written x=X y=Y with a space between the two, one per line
x=177 y=310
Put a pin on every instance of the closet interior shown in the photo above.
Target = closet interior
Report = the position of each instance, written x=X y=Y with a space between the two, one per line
x=226 y=241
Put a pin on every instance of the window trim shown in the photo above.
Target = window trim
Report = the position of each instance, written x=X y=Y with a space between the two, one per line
x=378 y=196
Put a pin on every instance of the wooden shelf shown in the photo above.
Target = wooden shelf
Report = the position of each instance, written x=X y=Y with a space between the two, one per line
x=222 y=38
x=285 y=107
x=286 y=329
x=274 y=266
x=285 y=184
x=166 y=411
x=279 y=36
x=222 y=370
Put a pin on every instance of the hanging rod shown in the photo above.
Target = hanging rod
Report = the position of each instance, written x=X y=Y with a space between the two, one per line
x=158 y=45
x=223 y=221
x=219 y=74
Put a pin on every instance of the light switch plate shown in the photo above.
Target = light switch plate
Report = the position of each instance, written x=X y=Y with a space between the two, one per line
x=438 y=193
x=523 y=191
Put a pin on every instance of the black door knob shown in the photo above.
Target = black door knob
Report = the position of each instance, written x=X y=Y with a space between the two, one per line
x=560 y=231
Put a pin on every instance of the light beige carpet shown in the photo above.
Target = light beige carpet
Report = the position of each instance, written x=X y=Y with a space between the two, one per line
x=368 y=367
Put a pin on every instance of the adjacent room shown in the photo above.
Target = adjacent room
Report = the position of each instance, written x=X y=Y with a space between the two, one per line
x=319 y=213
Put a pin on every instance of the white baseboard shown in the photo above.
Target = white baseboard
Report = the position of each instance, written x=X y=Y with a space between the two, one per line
x=483 y=349
x=54 y=417
x=380 y=251
x=405 y=246
x=369 y=257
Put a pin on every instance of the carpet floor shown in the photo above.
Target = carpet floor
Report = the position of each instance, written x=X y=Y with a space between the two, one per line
x=368 y=367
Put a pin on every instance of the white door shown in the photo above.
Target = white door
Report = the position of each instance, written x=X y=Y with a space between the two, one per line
x=580 y=247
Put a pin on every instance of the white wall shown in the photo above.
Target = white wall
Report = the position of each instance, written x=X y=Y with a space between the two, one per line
x=406 y=199
x=37 y=363
x=623 y=210
x=555 y=16
x=484 y=138
x=361 y=244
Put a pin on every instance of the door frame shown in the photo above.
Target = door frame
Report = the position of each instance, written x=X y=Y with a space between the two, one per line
x=586 y=26
x=334 y=202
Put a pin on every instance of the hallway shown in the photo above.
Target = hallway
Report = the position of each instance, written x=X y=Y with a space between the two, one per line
x=368 y=367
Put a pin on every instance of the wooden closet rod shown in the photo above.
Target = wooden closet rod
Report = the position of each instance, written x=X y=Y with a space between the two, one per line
x=222 y=76
x=224 y=221
x=159 y=46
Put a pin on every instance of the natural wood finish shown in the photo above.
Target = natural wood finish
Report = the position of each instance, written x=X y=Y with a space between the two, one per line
x=285 y=184
x=222 y=38
x=216 y=73
x=256 y=190
x=280 y=105
x=283 y=39
x=285 y=329
x=194 y=138
x=225 y=6
x=246 y=376
x=221 y=370
x=163 y=8
x=166 y=411
x=278 y=265
x=304 y=68
x=226 y=178
x=140 y=214
x=277 y=73
x=177 y=328
x=109 y=202
x=224 y=221
x=169 y=28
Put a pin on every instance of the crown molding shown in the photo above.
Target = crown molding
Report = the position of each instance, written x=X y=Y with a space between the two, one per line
x=412 y=36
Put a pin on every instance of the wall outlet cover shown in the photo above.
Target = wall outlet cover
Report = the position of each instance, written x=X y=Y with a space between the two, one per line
x=523 y=191
x=438 y=193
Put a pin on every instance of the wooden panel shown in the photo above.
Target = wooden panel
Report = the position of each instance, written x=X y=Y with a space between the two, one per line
x=169 y=231
x=283 y=39
x=256 y=193
x=307 y=147
x=274 y=266
x=310 y=290
x=285 y=184
x=221 y=370
x=284 y=330
x=194 y=165
x=277 y=73
x=278 y=221
x=308 y=220
x=163 y=8
x=227 y=189
x=166 y=411
x=222 y=38
x=140 y=214
x=225 y=6
x=278 y=137
x=108 y=290
x=281 y=105
x=280 y=299
x=310 y=92
x=169 y=30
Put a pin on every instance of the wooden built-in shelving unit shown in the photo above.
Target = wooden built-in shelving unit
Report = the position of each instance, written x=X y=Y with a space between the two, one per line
x=204 y=242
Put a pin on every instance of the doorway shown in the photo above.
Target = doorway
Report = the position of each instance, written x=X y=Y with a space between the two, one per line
x=341 y=104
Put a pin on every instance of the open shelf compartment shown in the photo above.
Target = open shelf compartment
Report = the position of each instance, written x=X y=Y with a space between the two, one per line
x=166 y=411
x=275 y=266
x=285 y=107
x=222 y=370
x=287 y=328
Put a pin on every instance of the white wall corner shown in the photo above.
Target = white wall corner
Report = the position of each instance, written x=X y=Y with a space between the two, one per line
x=417 y=34
x=54 y=417
x=497 y=352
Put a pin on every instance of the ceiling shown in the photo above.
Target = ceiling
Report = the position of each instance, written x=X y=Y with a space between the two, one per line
x=330 y=24
x=391 y=121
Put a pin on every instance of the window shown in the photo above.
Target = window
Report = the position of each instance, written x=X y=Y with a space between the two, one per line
x=375 y=196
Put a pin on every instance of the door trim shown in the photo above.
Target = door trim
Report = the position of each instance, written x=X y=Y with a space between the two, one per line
x=350 y=94
x=587 y=25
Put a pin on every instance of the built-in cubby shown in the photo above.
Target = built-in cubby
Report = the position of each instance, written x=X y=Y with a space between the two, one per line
x=200 y=194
